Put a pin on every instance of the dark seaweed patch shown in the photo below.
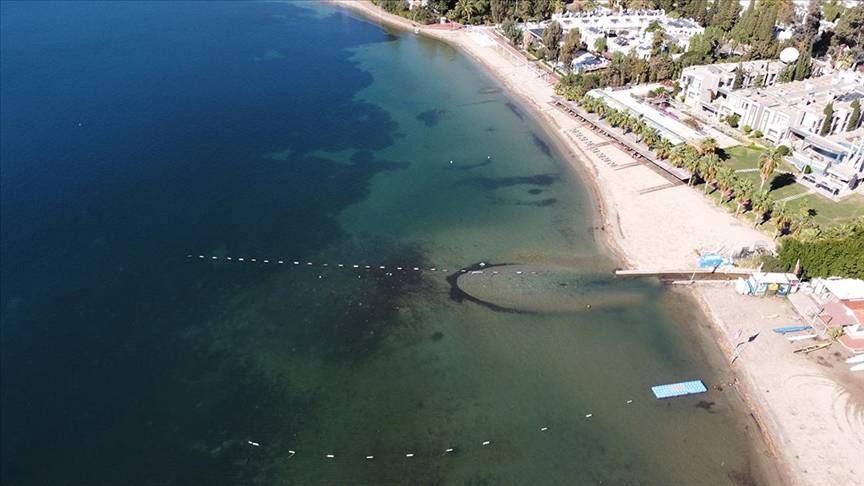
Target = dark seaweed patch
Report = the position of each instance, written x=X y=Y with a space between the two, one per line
x=515 y=110
x=433 y=117
x=535 y=191
x=459 y=295
x=499 y=182
x=542 y=145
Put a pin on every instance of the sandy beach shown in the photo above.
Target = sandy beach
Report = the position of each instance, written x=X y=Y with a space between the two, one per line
x=810 y=411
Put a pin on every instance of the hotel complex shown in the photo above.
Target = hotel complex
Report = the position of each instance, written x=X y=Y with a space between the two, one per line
x=790 y=113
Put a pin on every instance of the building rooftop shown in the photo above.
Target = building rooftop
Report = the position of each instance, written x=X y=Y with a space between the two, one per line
x=810 y=94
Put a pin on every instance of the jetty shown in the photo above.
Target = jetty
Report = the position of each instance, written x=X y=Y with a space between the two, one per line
x=673 y=275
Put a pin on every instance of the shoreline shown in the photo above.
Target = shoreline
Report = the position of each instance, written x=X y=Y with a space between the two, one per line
x=643 y=227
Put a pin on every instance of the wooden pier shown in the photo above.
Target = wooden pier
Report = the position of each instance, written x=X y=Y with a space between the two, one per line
x=687 y=275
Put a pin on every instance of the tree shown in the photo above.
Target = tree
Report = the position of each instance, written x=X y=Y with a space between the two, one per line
x=781 y=216
x=802 y=67
x=768 y=163
x=551 y=39
x=572 y=44
x=807 y=31
x=829 y=119
x=663 y=149
x=803 y=220
x=708 y=167
x=600 y=45
x=850 y=32
x=733 y=119
x=759 y=82
x=657 y=41
x=739 y=78
x=761 y=203
x=707 y=146
x=855 y=117
x=724 y=14
x=693 y=163
x=726 y=181
x=835 y=251
x=832 y=9
x=464 y=9
x=501 y=10
x=743 y=193
x=511 y=31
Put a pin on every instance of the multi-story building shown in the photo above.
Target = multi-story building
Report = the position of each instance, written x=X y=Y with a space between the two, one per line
x=701 y=85
x=627 y=31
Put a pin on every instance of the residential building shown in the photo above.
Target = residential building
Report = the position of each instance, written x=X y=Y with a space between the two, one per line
x=701 y=85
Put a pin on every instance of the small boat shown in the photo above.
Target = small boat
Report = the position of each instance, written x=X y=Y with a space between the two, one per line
x=787 y=329
x=801 y=337
x=812 y=347
x=856 y=359
x=857 y=367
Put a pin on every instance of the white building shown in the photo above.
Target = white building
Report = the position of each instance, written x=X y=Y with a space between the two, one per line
x=701 y=85
x=626 y=31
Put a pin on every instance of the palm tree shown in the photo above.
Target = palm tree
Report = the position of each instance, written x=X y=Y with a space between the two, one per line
x=663 y=148
x=743 y=193
x=465 y=9
x=679 y=154
x=708 y=167
x=650 y=136
x=782 y=218
x=726 y=181
x=768 y=163
x=707 y=146
x=803 y=220
x=692 y=163
x=761 y=203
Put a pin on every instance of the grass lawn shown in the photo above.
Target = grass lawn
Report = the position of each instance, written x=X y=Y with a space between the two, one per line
x=828 y=212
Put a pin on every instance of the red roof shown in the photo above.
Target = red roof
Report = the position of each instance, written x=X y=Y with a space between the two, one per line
x=852 y=344
x=835 y=314
x=857 y=308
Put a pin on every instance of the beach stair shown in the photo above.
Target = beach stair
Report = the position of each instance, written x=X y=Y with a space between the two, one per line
x=679 y=389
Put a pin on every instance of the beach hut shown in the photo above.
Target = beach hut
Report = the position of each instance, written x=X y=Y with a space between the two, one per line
x=764 y=284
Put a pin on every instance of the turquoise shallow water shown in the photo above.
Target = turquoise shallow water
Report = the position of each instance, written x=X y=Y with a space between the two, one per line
x=269 y=131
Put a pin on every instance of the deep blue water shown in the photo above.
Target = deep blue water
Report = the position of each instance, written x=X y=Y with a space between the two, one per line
x=135 y=134
x=132 y=132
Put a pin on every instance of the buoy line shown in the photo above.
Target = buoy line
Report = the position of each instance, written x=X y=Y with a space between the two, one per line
x=332 y=455
x=477 y=269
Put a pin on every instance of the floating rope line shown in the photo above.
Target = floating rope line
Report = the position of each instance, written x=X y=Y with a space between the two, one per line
x=411 y=454
x=358 y=266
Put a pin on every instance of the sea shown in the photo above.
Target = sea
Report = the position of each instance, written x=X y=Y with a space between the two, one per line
x=260 y=243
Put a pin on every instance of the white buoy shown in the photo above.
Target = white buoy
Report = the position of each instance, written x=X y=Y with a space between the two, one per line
x=382 y=267
x=485 y=443
x=254 y=444
x=281 y=262
x=482 y=264
x=240 y=259
x=416 y=269
x=254 y=260
x=329 y=456
x=228 y=258
x=409 y=455
x=544 y=429
x=214 y=258
x=370 y=457
x=340 y=265
x=488 y=157
x=629 y=401
x=292 y=452
x=308 y=263
x=447 y=451
x=325 y=264
x=266 y=261
x=200 y=256
x=356 y=266
x=296 y=263
x=398 y=268
x=451 y=161
x=589 y=415
x=367 y=266
x=519 y=273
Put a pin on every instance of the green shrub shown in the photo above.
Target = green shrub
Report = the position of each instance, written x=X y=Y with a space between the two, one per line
x=746 y=129
x=733 y=120
x=756 y=134
x=807 y=169
x=784 y=150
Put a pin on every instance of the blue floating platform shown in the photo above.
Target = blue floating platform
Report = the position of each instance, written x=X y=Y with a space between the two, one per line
x=679 y=389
